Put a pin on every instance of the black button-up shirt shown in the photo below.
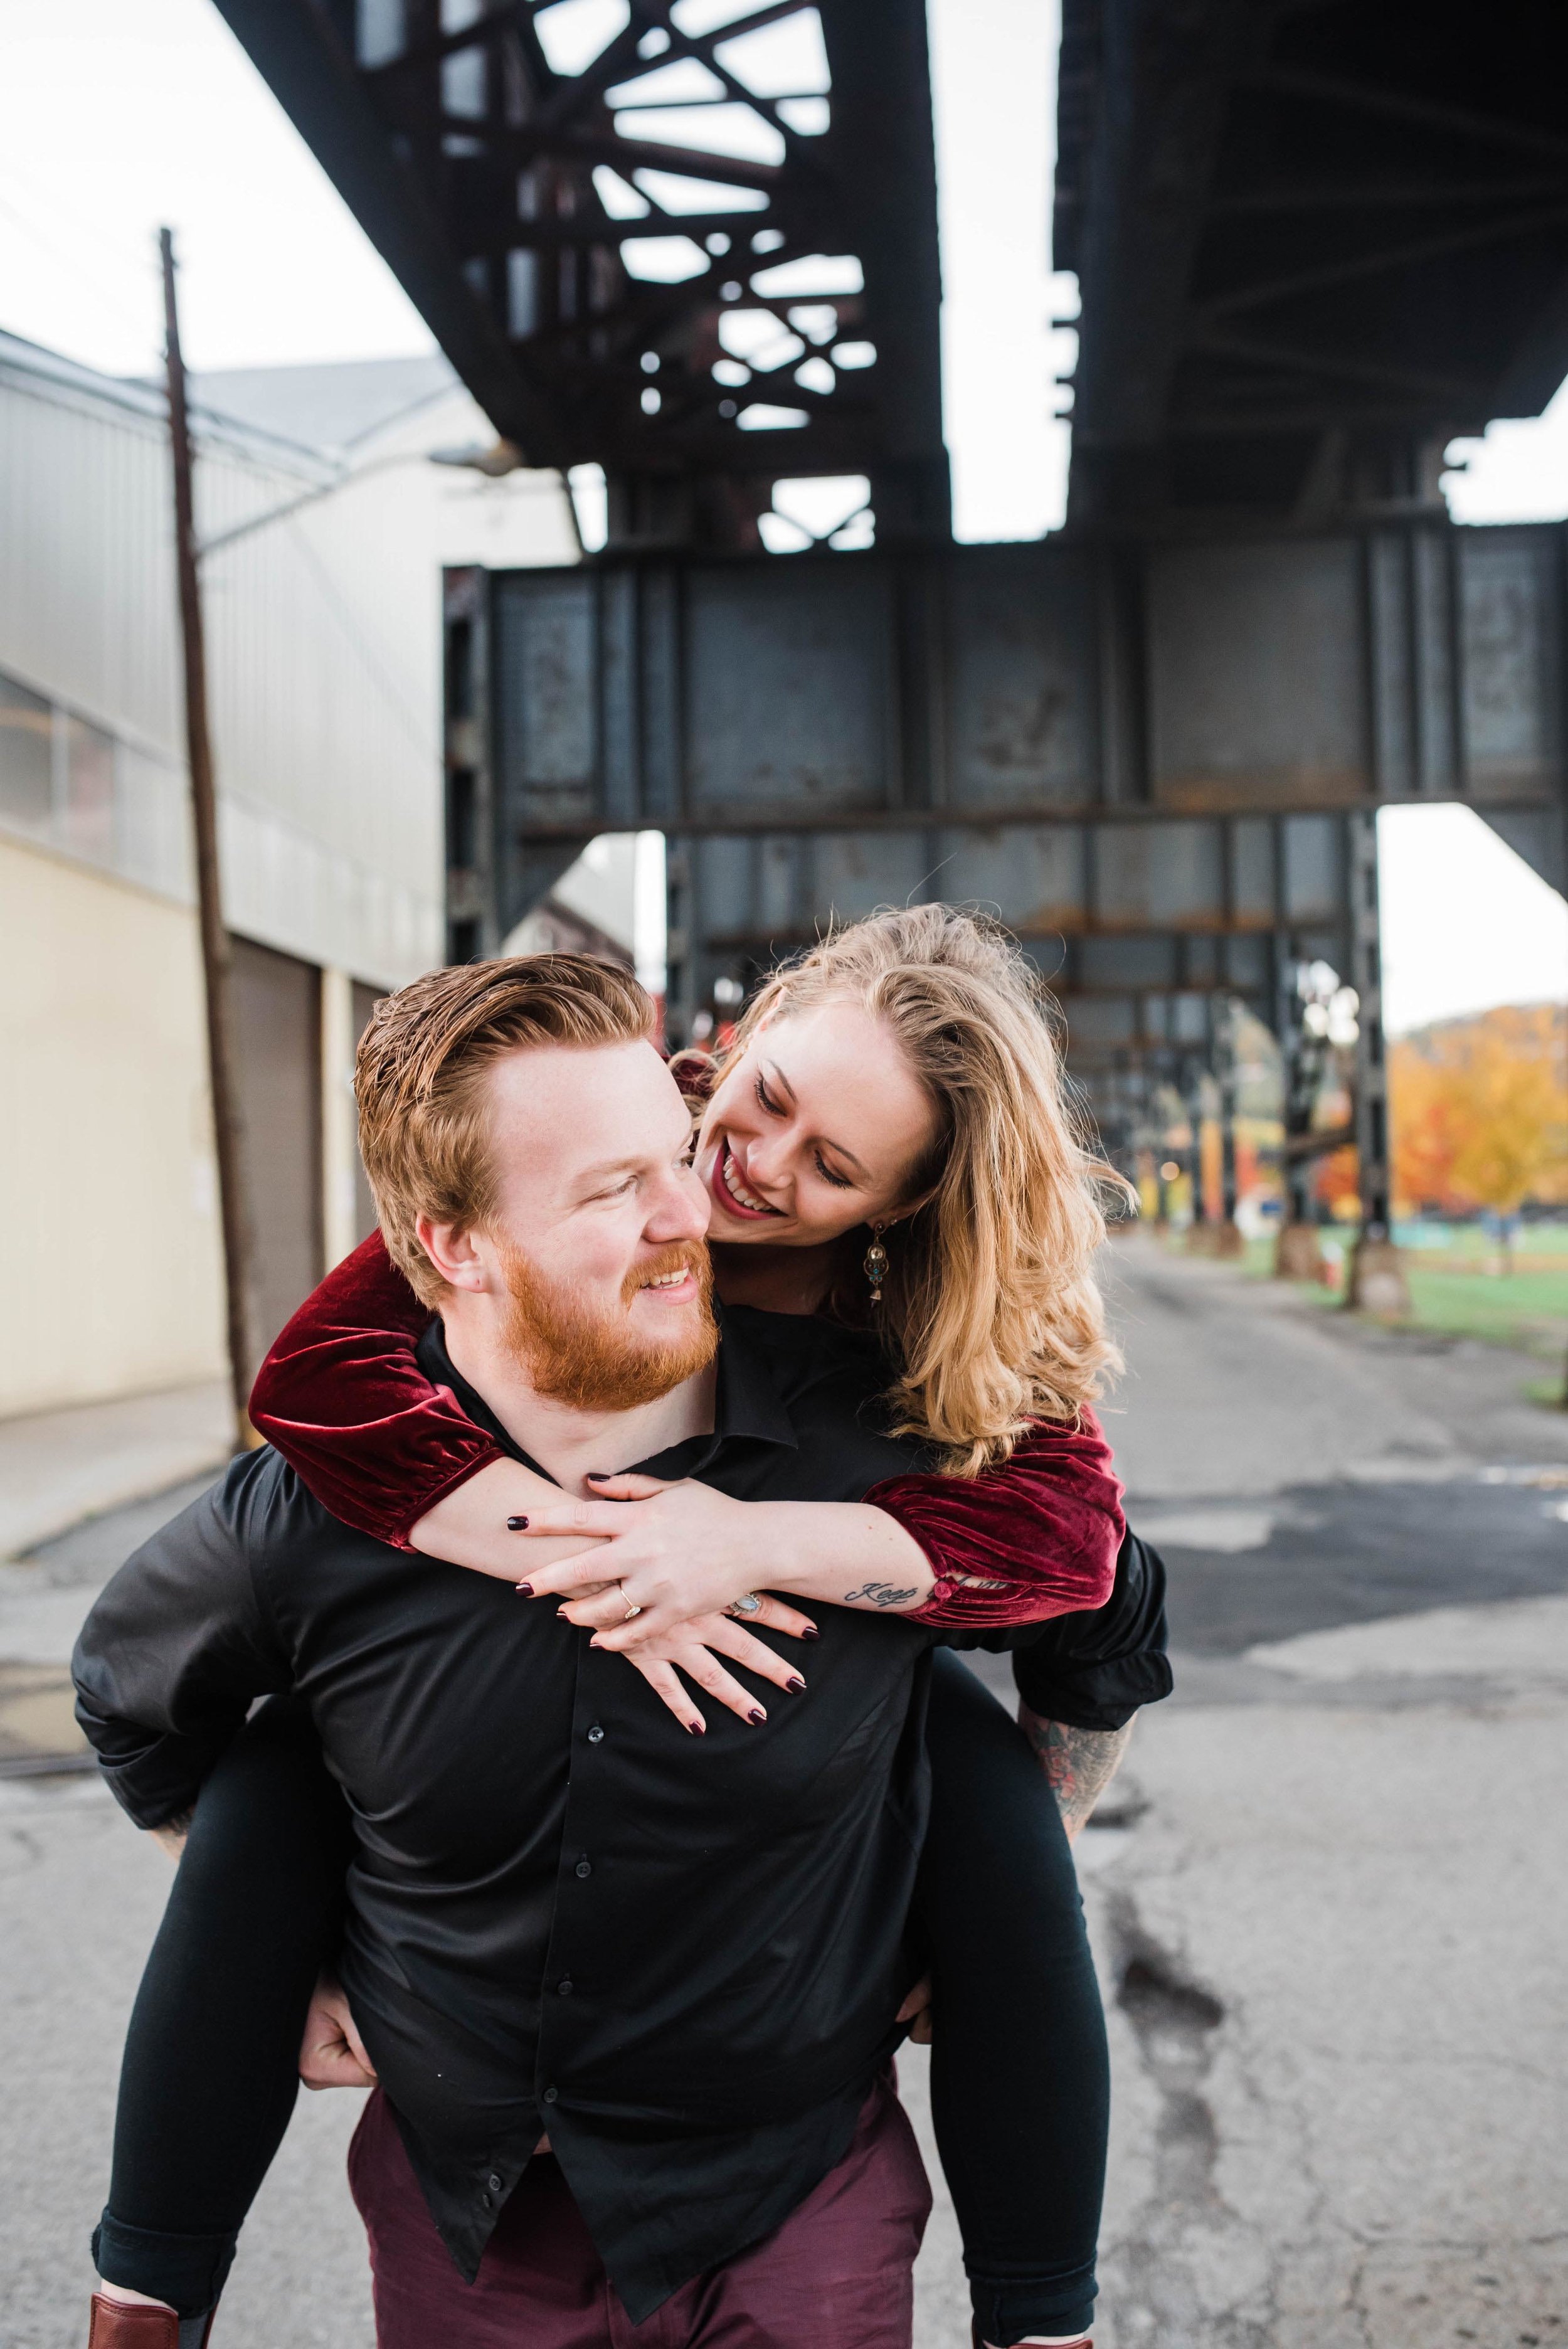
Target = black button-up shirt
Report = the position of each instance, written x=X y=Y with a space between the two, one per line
x=680 y=1956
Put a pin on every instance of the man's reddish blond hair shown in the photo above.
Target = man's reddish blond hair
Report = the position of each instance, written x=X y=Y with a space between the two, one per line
x=420 y=1070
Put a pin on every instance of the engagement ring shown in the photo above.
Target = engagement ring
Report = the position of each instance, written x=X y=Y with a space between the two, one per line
x=750 y=1605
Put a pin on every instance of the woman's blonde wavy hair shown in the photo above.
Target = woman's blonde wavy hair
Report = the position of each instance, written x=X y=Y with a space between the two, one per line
x=991 y=1310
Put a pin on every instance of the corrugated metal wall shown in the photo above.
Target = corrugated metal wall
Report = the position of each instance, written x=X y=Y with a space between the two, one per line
x=325 y=667
x=325 y=652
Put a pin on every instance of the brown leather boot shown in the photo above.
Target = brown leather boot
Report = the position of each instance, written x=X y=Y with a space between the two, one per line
x=136 y=2324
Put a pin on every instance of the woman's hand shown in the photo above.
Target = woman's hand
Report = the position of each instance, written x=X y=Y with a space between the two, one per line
x=672 y=1560
x=695 y=1647
x=679 y=1568
x=471 y=1529
x=671 y=1552
x=679 y=1550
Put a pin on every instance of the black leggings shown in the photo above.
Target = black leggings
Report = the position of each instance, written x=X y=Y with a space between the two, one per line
x=1019 y=2081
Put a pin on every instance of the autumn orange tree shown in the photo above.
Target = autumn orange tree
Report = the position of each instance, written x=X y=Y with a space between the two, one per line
x=1336 y=1181
x=1423 y=1120
x=1480 y=1110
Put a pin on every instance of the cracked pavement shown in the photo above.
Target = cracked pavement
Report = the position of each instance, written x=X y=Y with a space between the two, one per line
x=1331 y=1931
x=1328 y=1893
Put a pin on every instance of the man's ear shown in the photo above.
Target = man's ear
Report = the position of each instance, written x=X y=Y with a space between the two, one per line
x=450 y=1248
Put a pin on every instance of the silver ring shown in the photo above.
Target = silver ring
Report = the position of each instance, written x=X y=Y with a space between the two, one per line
x=751 y=1605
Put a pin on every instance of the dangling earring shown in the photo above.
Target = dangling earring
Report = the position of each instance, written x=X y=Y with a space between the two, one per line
x=875 y=1266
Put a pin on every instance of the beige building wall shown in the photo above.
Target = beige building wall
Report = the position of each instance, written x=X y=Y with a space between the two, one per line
x=107 y=1201
x=324 y=643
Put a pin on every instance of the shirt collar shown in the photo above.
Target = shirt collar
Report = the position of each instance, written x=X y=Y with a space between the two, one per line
x=747 y=1404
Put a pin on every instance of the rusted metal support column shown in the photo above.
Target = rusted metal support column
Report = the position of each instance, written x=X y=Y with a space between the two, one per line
x=1228 y=1115
x=1377 y=1283
x=1200 y=1233
x=1298 y=1255
x=1229 y=1233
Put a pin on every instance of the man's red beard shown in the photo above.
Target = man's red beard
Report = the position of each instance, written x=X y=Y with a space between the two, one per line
x=595 y=1361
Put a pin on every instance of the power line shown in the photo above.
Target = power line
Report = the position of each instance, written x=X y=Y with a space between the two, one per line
x=101 y=287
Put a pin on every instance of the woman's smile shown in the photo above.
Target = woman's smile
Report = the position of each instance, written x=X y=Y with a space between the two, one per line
x=732 y=1194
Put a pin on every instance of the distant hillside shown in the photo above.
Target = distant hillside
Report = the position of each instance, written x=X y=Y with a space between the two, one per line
x=1528 y=1028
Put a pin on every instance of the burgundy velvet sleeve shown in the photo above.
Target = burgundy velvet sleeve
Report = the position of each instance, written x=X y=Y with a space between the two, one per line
x=343 y=1400
x=1042 y=1530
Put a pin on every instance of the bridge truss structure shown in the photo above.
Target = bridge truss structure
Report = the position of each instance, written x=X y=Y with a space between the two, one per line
x=691 y=241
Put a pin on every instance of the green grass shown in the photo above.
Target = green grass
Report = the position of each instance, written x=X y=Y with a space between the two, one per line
x=1470 y=1244
x=1527 y=1309
x=1454 y=1294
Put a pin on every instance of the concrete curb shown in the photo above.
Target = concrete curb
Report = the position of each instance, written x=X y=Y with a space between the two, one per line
x=58 y=1469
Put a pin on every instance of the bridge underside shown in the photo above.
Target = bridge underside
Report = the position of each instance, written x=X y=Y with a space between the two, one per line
x=1314 y=238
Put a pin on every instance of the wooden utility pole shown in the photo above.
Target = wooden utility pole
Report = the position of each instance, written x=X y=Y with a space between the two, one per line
x=234 y=1193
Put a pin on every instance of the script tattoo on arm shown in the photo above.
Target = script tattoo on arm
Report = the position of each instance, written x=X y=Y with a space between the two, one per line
x=1080 y=1762
x=880 y=1594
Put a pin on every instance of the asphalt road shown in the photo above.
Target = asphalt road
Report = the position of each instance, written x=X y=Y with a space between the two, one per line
x=1331 y=1929
x=1329 y=1898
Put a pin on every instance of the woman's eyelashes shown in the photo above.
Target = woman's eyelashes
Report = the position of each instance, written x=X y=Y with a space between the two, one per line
x=765 y=1101
x=775 y=1110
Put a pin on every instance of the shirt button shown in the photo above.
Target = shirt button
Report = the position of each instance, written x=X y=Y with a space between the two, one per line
x=595 y=1735
x=564 y=1988
x=495 y=2185
x=583 y=1867
x=487 y=2201
x=550 y=2094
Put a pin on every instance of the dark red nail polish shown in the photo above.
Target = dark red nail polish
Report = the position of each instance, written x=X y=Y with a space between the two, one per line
x=517 y=1525
x=796 y=1685
x=697 y=1729
x=810 y=1632
x=757 y=1714
x=525 y=1589
x=597 y=1476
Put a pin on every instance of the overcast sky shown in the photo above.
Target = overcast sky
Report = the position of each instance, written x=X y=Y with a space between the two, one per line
x=116 y=115
x=1466 y=923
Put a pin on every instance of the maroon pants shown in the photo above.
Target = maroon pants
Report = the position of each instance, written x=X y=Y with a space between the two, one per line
x=836 y=2275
